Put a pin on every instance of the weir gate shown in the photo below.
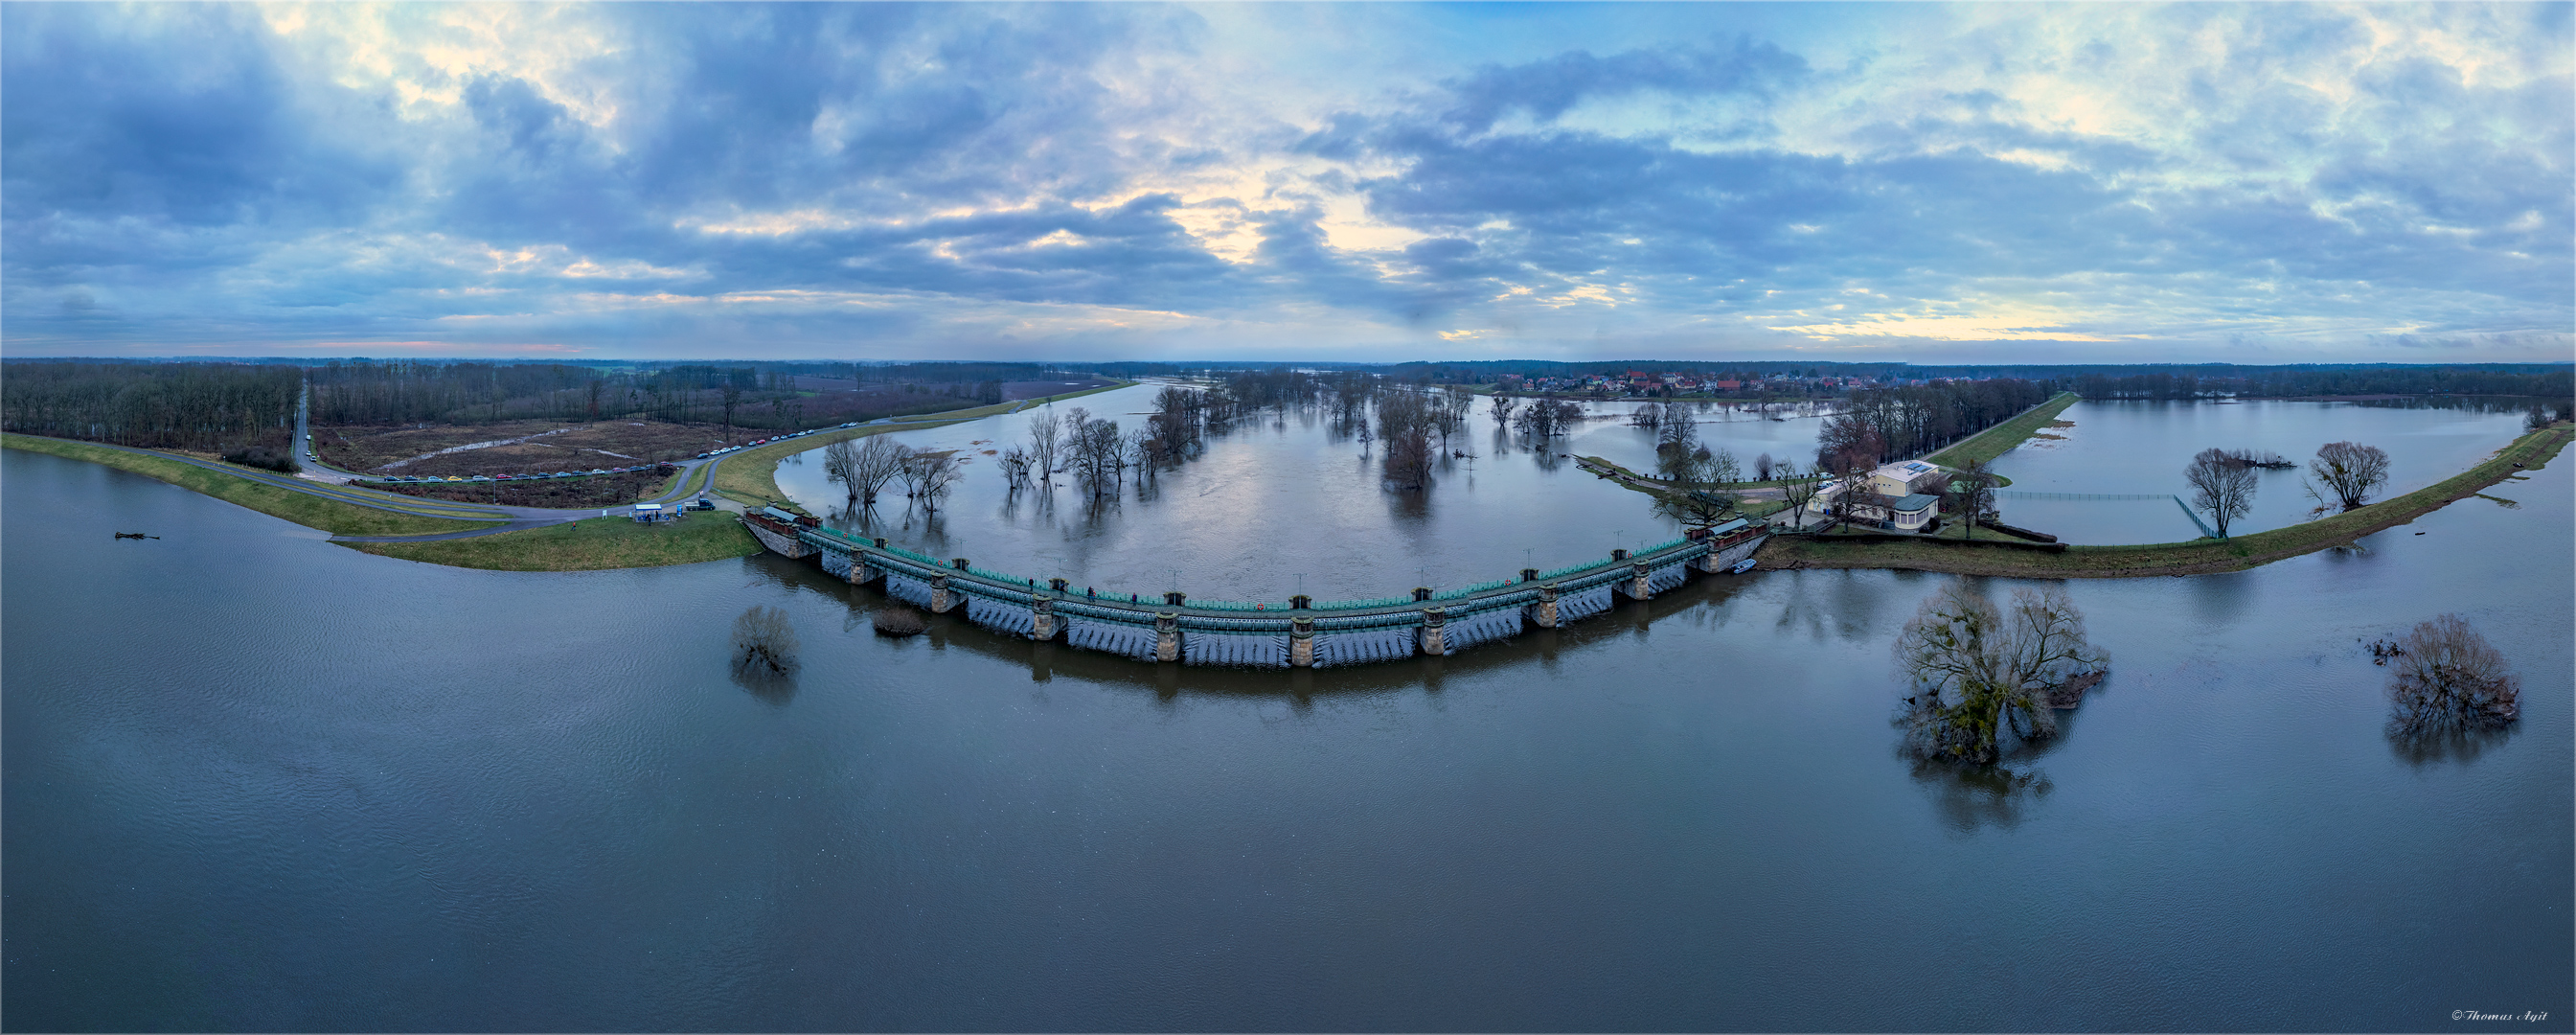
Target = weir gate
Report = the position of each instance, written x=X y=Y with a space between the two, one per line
x=1294 y=633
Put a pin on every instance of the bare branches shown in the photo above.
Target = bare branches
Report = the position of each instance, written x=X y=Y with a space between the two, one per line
x=2349 y=470
x=1045 y=434
x=1970 y=494
x=764 y=641
x=1977 y=671
x=863 y=466
x=931 y=475
x=2448 y=681
x=2220 y=487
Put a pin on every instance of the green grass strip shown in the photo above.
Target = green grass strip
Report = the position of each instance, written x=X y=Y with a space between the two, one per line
x=325 y=512
x=2000 y=439
x=592 y=544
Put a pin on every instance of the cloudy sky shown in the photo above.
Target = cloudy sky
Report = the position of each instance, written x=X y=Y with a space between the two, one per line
x=2098 y=182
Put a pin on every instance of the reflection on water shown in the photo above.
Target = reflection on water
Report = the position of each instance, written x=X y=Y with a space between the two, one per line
x=412 y=796
x=1971 y=798
x=2134 y=447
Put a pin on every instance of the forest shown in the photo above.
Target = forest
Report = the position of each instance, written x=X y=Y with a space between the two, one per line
x=765 y=396
x=203 y=407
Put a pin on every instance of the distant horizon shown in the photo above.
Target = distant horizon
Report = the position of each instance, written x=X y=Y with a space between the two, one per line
x=1963 y=184
x=1209 y=362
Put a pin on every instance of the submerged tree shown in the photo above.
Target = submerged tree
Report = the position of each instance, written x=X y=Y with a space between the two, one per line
x=936 y=473
x=2449 y=681
x=2220 y=488
x=2349 y=470
x=764 y=642
x=863 y=466
x=1044 y=435
x=1406 y=421
x=1978 y=672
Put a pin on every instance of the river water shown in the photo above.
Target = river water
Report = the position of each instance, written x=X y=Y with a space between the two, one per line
x=256 y=781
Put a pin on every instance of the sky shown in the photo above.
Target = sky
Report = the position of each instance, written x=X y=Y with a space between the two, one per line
x=2273 y=183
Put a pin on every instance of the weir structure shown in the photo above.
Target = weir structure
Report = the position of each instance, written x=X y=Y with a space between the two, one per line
x=1295 y=633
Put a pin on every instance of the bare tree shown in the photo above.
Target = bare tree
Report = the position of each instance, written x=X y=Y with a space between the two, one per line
x=876 y=461
x=2220 y=488
x=1850 y=468
x=732 y=396
x=908 y=466
x=1143 y=449
x=1015 y=467
x=1698 y=506
x=1849 y=439
x=1721 y=466
x=841 y=464
x=2349 y=470
x=1045 y=433
x=1977 y=671
x=1093 y=450
x=764 y=641
x=1503 y=409
x=1762 y=468
x=1970 y=494
x=937 y=473
x=2449 y=680
x=1648 y=416
x=1797 y=489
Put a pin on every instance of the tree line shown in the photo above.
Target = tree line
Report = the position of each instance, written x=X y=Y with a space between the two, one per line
x=206 y=407
x=1883 y=424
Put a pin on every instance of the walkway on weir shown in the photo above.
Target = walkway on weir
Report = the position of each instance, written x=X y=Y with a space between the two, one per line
x=1297 y=632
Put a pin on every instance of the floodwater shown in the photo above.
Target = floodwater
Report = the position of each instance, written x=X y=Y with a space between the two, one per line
x=251 y=780
x=1284 y=503
x=2134 y=448
x=1278 y=505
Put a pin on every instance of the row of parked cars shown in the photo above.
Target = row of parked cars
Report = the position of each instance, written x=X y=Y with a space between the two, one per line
x=529 y=477
x=774 y=438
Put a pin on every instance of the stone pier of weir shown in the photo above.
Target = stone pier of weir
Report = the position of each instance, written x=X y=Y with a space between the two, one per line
x=1298 y=633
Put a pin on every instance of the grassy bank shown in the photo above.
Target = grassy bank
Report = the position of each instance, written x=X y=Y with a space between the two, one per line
x=302 y=508
x=750 y=477
x=588 y=545
x=2200 y=556
x=2000 y=439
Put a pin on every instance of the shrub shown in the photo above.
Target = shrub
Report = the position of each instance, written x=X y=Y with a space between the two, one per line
x=263 y=457
x=898 y=621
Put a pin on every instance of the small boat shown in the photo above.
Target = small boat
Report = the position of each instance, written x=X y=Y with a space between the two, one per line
x=1742 y=566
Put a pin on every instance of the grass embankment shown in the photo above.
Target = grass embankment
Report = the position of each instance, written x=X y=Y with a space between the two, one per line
x=2198 y=557
x=2000 y=439
x=750 y=477
x=587 y=545
x=303 y=508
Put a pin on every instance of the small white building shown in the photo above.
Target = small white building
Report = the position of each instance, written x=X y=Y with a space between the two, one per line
x=1905 y=478
x=1891 y=497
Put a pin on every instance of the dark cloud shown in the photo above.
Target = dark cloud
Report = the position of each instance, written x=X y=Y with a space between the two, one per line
x=192 y=173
